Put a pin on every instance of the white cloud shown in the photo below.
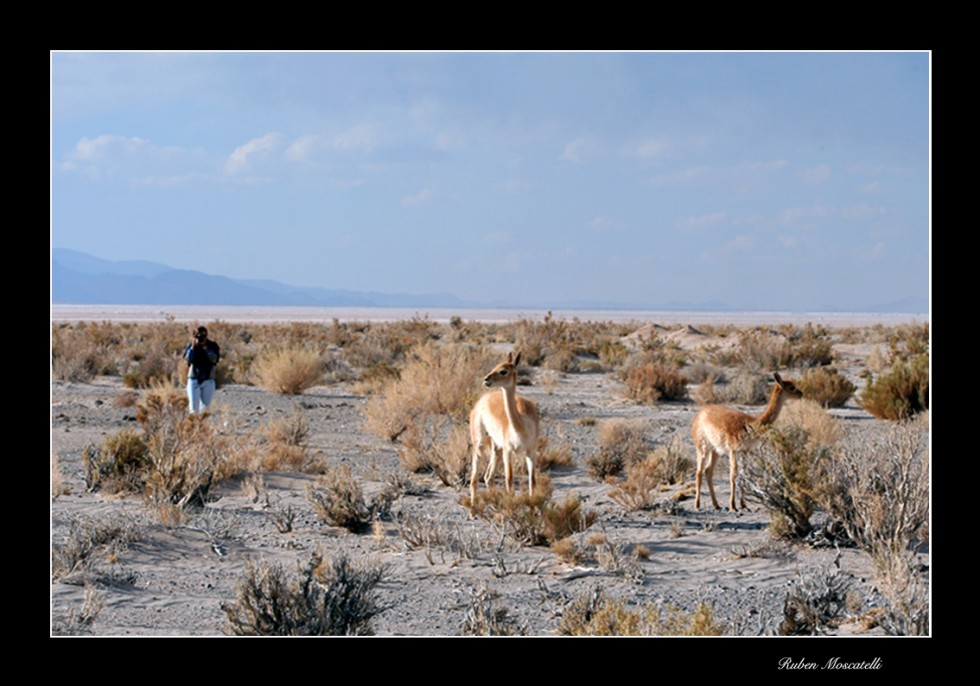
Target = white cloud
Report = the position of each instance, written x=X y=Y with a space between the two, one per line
x=701 y=222
x=361 y=137
x=876 y=252
x=420 y=198
x=872 y=188
x=243 y=155
x=450 y=141
x=862 y=211
x=817 y=174
x=497 y=238
x=302 y=148
x=679 y=177
x=89 y=149
x=601 y=223
x=577 y=150
x=514 y=186
x=797 y=215
x=648 y=149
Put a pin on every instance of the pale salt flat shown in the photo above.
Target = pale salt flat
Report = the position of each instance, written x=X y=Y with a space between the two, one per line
x=234 y=314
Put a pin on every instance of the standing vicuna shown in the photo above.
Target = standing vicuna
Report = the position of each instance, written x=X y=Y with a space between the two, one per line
x=718 y=429
x=507 y=423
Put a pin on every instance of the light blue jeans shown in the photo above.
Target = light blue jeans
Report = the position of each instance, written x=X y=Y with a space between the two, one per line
x=199 y=394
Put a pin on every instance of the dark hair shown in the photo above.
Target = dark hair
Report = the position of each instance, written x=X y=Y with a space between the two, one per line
x=202 y=331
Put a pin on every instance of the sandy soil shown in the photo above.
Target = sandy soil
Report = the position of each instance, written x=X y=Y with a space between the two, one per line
x=173 y=580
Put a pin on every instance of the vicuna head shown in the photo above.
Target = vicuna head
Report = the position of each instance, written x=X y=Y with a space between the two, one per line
x=786 y=386
x=504 y=374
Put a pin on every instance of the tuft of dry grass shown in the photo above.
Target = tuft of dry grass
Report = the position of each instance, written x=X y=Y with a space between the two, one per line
x=621 y=443
x=826 y=386
x=533 y=519
x=901 y=393
x=338 y=500
x=638 y=490
x=784 y=475
x=592 y=614
x=822 y=429
x=654 y=381
x=285 y=446
x=437 y=381
x=484 y=617
x=289 y=371
x=320 y=599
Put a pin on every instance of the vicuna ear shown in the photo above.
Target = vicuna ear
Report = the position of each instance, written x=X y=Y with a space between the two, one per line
x=517 y=360
x=778 y=378
x=510 y=358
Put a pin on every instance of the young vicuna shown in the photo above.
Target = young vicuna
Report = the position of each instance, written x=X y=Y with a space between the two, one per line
x=718 y=429
x=506 y=423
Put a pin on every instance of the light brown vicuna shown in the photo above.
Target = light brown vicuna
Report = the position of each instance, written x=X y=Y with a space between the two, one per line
x=718 y=429
x=506 y=423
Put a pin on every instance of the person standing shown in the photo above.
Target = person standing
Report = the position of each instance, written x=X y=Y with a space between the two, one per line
x=202 y=357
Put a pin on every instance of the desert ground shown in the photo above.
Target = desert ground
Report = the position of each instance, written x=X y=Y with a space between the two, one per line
x=438 y=562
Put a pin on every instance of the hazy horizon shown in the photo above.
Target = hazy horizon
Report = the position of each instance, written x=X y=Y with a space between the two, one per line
x=768 y=181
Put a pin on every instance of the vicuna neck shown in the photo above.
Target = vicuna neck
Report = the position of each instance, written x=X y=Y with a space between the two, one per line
x=776 y=400
x=510 y=403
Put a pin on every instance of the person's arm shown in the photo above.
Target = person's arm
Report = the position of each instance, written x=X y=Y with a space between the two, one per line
x=214 y=353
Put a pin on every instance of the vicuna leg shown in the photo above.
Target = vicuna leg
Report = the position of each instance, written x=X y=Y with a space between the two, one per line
x=491 y=465
x=508 y=474
x=733 y=472
x=529 y=461
x=706 y=467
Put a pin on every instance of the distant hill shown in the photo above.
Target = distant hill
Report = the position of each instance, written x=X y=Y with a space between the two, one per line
x=79 y=278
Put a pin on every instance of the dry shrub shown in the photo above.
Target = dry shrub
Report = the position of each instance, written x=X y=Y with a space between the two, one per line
x=438 y=380
x=319 y=600
x=674 y=463
x=338 y=500
x=567 y=551
x=533 y=519
x=826 y=386
x=285 y=446
x=289 y=371
x=654 y=381
x=79 y=352
x=58 y=485
x=432 y=444
x=784 y=475
x=549 y=456
x=879 y=492
x=817 y=602
x=591 y=614
x=901 y=393
x=79 y=620
x=638 y=490
x=905 y=592
x=621 y=443
x=700 y=372
x=119 y=465
x=151 y=368
x=485 y=618
x=746 y=388
x=174 y=460
x=811 y=347
x=822 y=429
x=91 y=540
x=760 y=351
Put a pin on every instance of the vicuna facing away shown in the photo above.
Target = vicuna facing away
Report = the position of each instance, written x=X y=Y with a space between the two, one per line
x=718 y=429
x=506 y=423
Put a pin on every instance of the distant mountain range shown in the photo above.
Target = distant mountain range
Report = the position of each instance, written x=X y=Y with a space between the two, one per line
x=79 y=278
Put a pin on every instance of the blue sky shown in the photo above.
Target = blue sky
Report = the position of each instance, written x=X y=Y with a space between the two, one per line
x=775 y=181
